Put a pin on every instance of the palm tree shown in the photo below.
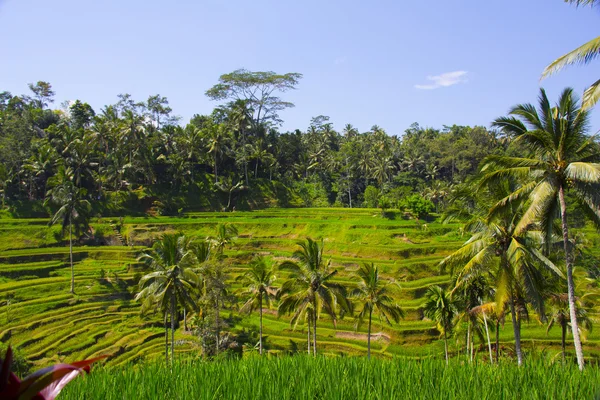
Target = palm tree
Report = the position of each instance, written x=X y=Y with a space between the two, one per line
x=173 y=280
x=258 y=281
x=218 y=139
x=373 y=293
x=310 y=289
x=74 y=209
x=441 y=308
x=581 y=55
x=562 y=157
x=226 y=234
x=560 y=316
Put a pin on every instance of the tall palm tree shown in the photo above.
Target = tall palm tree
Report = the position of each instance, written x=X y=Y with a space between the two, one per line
x=441 y=308
x=584 y=54
x=496 y=250
x=218 y=140
x=560 y=316
x=310 y=288
x=173 y=281
x=258 y=282
x=74 y=208
x=226 y=234
x=373 y=293
x=561 y=158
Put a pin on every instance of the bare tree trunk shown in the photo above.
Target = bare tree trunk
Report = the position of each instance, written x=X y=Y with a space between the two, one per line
x=468 y=338
x=308 y=334
x=497 y=340
x=172 y=329
x=563 y=341
x=315 y=334
x=260 y=335
x=71 y=254
x=570 y=281
x=216 y=170
x=369 y=337
x=185 y=319
x=166 y=339
x=516 y=330
x=446 y=346
x=217 y=326
x=487 y=332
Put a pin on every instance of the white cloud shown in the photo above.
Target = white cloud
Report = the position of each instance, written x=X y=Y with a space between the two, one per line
x=444 y=80
x=339 y=60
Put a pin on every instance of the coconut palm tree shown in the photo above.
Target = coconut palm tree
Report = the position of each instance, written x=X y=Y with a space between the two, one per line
x=74 y=208
x=218 y=140
x=373 y=293
x=226 y=234
x=310 y=289
x=258 y=282
x=441 y=308
x=562 y=158
x=173 y=281
x=512 y=261
x=584 y=54
x=560 y=316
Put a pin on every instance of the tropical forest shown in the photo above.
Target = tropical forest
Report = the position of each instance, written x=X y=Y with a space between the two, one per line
x=232 y=254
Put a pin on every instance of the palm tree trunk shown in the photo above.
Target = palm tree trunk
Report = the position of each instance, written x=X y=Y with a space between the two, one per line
x=172 y=329
x=369 y=337
x=570 y=282
x=166 y=339
x=256 y=169
x=260 y=350
x=315 y=334
x=185 y=319
x=71 y=254
x=497 y=340
x=468 y=338
x=446 y=346
x=216 y=170
x=487 y=332
x=217 y=326
x=564 y=335
x=516 y=330
x=308 y=335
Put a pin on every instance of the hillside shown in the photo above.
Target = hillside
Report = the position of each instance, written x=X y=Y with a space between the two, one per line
x=47 y=324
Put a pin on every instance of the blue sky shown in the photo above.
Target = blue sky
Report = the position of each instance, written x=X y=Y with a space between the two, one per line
x=389 y=63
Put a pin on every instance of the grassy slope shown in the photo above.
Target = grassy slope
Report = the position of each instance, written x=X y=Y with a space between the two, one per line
x=47 y=324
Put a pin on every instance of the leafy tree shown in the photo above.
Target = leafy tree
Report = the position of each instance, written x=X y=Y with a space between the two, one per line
x=42 y=92
x=418 y=205
x=584 y=54
x=561 y=159
x=258 y=90
x=373 y=293
x=441 y=308
x=258 y=282
x=309 y=289
x=371 y=196
x=73 y=209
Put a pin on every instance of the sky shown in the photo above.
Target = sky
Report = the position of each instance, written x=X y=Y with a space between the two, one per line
x=390 y=63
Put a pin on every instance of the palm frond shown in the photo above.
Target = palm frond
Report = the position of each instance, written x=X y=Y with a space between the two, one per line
x=581 y=55
x=591 y=95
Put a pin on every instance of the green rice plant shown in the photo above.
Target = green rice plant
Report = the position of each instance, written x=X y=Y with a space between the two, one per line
x=302 y=377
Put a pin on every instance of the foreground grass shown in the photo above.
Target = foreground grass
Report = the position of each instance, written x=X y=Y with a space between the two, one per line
x=337 y=378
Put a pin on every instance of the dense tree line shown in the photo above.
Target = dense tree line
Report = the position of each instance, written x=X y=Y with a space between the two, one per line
x=136 y=155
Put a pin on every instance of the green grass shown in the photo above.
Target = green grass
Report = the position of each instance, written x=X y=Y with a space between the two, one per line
x=46 y=323
x=302 y=377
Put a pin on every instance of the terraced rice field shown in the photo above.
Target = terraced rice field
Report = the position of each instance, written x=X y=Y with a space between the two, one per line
x=46 y=324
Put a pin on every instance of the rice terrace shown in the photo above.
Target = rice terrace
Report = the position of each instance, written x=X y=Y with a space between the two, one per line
x=233 y=242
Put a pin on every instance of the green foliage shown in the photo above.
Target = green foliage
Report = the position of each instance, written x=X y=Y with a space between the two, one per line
x=371 y=197
x=417 y=205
